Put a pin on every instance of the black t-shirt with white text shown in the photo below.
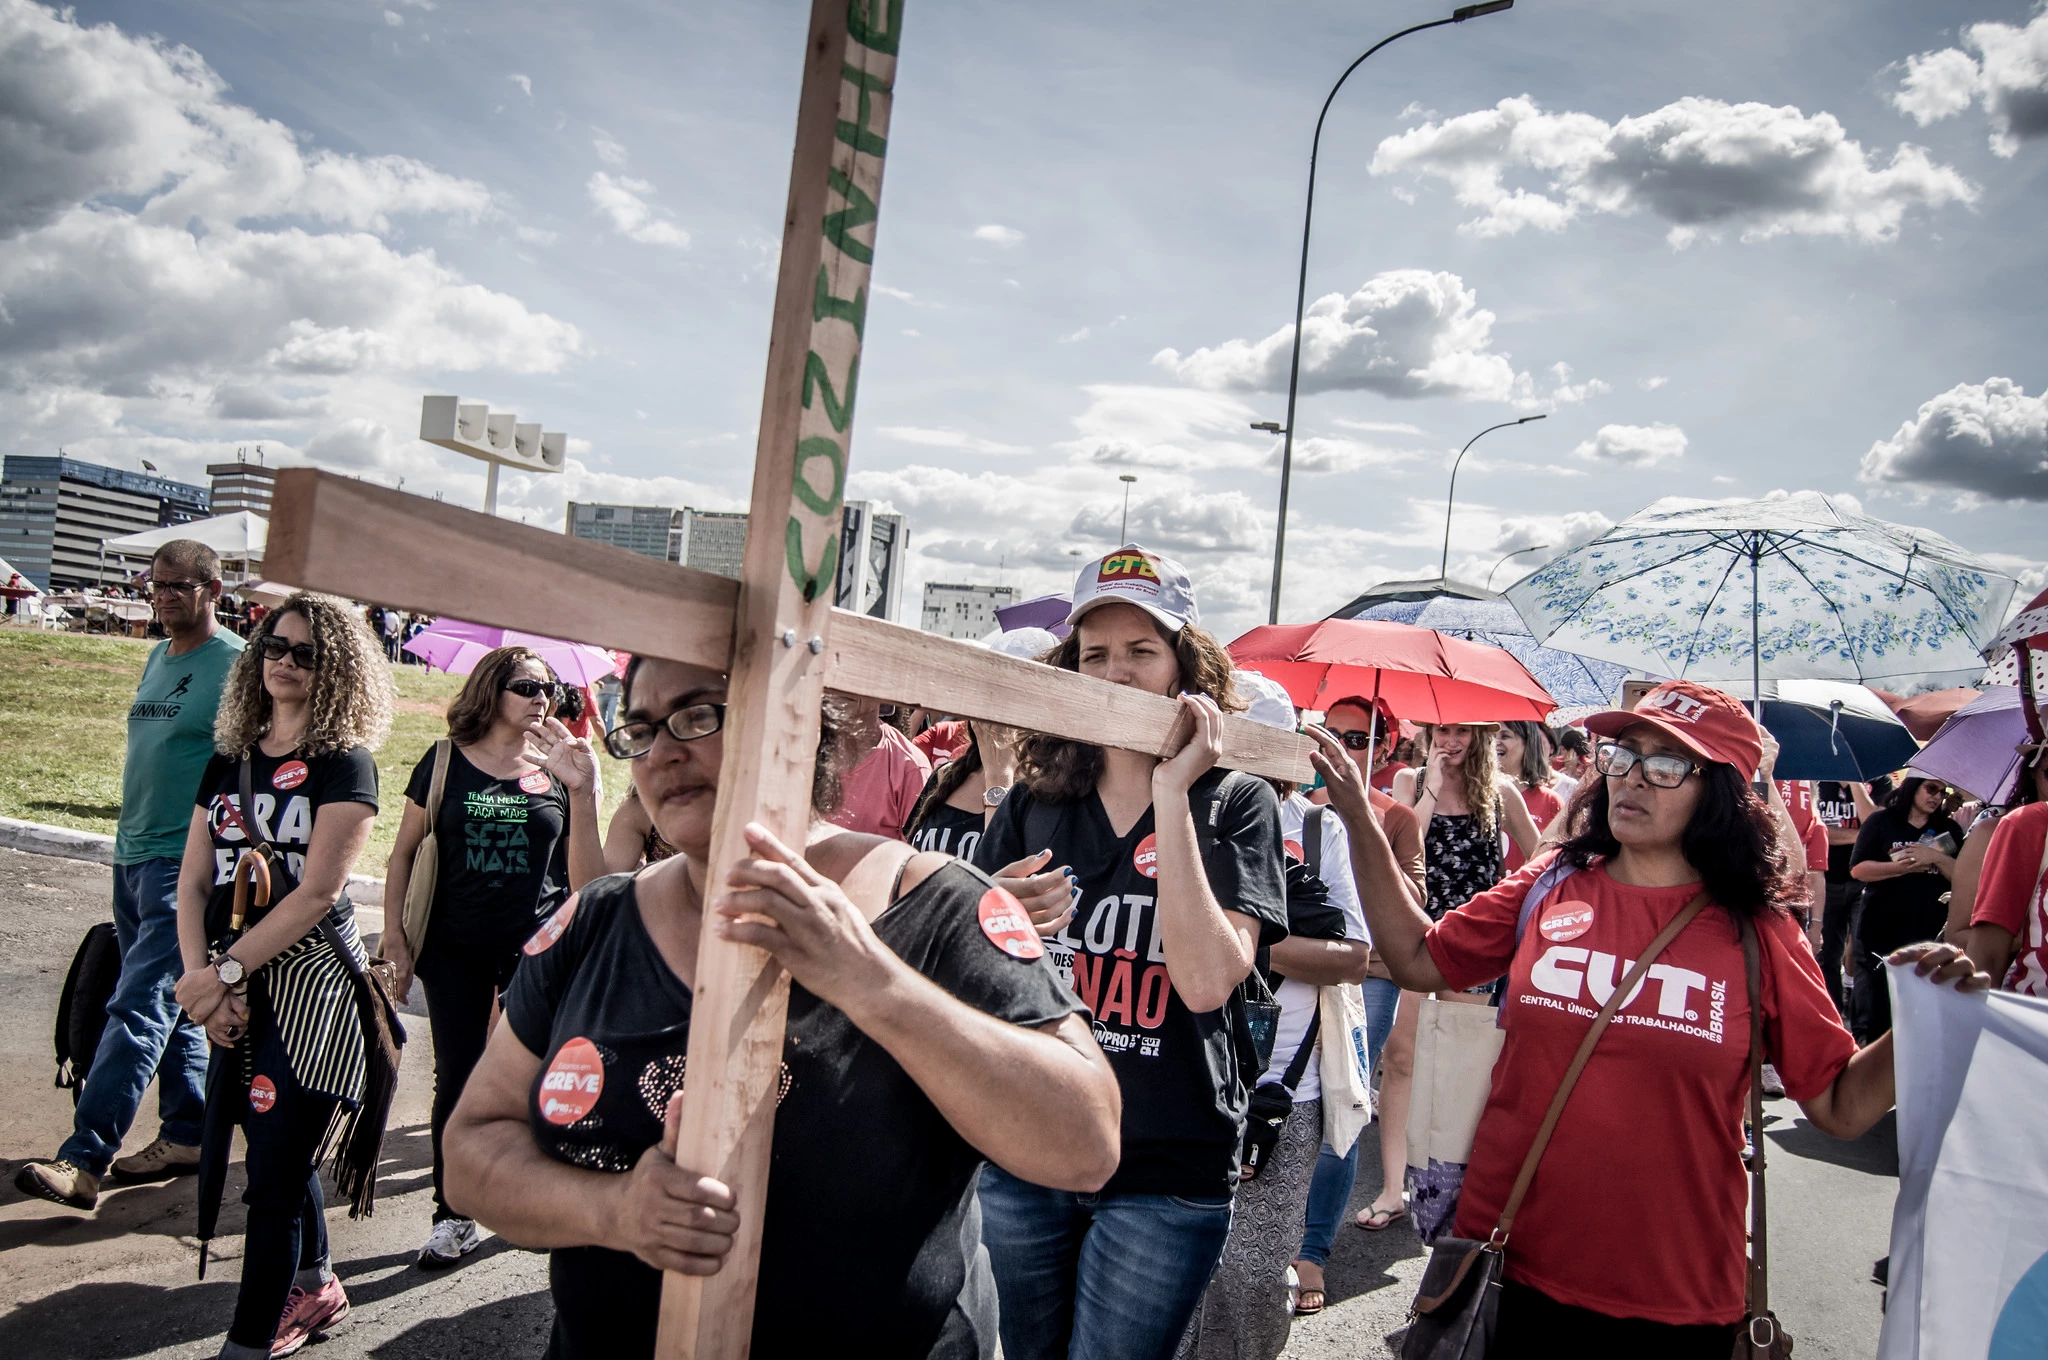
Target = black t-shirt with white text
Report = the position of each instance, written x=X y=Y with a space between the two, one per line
x=871 y=1232
x=1836 y=808
x=504 y=857
x=286 y=792
x=1907 y=909
x=1183 y=1103
x=946 y=829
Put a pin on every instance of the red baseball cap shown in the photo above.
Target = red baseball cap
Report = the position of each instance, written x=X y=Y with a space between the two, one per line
x=1710 y=723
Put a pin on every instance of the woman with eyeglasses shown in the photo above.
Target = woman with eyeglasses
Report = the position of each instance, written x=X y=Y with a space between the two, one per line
x=302 y=710
x=926 y=1032
x=516 y=834
x=1630 y=1241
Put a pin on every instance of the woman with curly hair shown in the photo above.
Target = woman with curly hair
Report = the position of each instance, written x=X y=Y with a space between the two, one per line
x=515 y=832
x=303 y=708
x=1154 y=882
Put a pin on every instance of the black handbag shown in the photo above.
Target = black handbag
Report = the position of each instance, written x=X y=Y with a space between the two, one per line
x=1456 y=1306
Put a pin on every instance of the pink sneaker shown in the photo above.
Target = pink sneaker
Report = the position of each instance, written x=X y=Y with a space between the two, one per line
x=305 y=1314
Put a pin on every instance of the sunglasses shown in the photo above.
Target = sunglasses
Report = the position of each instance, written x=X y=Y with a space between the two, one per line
x=1662 y=772
x=275 y=648
x=630 y=741
x=177 y=587
x=528 y=688
x=1357 y=741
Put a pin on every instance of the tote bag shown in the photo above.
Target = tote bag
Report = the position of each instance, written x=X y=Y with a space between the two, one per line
x=1456 y=1044
x=1347 y=1098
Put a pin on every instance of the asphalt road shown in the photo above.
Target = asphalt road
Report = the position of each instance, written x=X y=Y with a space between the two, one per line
x=121 y=1282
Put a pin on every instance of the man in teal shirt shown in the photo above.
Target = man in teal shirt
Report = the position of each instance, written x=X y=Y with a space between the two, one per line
x=170 y=737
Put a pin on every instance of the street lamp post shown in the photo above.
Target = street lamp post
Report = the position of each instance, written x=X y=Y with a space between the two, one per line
x=1458 y=16
x=1123 y=533
x=1537 y=547
x=1443 y=571
x=495 y=437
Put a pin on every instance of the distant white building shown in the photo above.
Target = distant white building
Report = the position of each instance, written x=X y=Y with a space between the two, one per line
x=964 y=611
x=872 y=554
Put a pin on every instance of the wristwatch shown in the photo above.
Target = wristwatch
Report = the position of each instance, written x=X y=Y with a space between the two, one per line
x=229 y=969
x=994 y=794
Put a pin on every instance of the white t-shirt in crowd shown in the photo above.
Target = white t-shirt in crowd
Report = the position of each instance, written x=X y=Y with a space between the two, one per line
x=1298 y=1000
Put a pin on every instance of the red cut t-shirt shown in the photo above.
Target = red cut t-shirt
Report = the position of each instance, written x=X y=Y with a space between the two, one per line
x=1798 y=796
x=2010 y=893
x=1638 y=1207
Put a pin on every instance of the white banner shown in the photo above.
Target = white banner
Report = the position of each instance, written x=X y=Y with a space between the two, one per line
x=1969 y=1267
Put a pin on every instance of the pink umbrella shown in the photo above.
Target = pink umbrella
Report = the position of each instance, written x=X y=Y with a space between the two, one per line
x=456 y=647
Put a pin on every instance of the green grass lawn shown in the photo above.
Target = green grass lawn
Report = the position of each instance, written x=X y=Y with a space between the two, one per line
x=64 y=730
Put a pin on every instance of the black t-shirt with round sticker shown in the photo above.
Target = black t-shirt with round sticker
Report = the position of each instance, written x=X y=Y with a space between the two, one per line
x=1183 y=1103
x=504 y=854
x=287 y=792
x=871 y=1221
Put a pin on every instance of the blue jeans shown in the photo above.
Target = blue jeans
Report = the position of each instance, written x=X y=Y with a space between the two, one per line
x=1381 y=996
x=1329 y=1194
x=1097 y=1277
x=147 y=1034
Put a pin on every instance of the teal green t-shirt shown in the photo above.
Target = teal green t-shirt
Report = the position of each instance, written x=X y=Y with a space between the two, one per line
x=170 y=737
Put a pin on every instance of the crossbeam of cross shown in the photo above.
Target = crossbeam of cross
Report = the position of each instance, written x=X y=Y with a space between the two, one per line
x=774 y=631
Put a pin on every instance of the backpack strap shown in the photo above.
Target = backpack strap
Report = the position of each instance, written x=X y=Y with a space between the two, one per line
x=1759 y=1283
x=1297 y=1066
x=1546 y=882
x=1312 y=840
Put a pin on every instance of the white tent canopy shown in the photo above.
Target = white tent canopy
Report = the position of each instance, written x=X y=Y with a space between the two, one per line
x=239 y=537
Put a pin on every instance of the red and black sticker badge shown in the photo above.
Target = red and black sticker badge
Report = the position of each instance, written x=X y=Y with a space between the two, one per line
x=572 y=1084
x=1008 y=926
x=1145 y=859
x=537 y=782
x=289 y=775
x=262 y=1095
x=552 y=928
x=1294 y=850
x=1566 y=921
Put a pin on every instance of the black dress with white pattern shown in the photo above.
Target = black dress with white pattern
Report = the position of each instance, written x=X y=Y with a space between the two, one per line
x=1461 y=861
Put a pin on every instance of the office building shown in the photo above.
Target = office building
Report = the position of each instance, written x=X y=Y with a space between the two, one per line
x=55 y=513
x=714 y=540
x=650 y=530
x=964 y=611
x=242 y=486
x=873 y=554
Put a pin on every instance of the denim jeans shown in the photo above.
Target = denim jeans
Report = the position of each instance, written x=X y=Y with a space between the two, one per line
x=147 y=1034
x=1329 y=1195
x=287 y=1227
x=1097 y=1277
x=1381 y=996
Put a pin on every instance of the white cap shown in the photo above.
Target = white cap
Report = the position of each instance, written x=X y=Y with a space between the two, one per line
x=1270 y=704
x=1131 y=575
x=1027 y=644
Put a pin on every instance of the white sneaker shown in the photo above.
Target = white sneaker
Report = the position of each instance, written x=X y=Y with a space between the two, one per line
x=1773 y=1088
x=450 y=1241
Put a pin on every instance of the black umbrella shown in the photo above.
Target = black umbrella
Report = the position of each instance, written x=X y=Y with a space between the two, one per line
x=229 y=1073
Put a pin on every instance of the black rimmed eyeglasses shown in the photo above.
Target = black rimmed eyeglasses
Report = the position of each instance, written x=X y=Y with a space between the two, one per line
x=1661 y=772
x=630 y=741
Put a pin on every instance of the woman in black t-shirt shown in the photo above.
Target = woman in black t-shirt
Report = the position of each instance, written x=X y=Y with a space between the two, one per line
x=517 y=832
x=302 y=707
x=1154 y=881
x=925 y=1032
x=1905 y=856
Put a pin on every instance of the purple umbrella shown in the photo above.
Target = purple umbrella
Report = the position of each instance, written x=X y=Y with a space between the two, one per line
x=456 y=647
x=1046 y=611
x=1975 y=750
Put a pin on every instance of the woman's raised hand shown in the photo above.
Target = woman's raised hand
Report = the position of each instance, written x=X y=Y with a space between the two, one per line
x=1200 y=734
x=776 y=901
x=569 y=758
x=1341 y=775
x=1046 y=894
x=668 y=1217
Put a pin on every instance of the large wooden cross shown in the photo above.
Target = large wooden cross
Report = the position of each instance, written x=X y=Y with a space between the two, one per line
x=774 y=631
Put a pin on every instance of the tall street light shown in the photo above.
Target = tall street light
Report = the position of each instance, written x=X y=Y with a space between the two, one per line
x=1443 y=572
x=1534 y=547
x=1123 y=533
x=1458 y=16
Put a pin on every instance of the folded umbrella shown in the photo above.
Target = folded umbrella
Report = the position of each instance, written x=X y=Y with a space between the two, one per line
x=456 y=647
x=1827 y=729
x=1977 y=749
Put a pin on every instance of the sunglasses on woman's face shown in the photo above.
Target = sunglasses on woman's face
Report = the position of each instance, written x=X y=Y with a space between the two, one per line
x=630 y=741
x=275 y=648
x=528 y=688
x=1354 y=741
x=1661 y=772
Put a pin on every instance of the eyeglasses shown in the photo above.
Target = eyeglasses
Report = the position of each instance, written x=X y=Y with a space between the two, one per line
x=630 y=741
x=275 y=648
x=1662 y=772
x=528 y=688
x=177 y=587
x=1356 y=741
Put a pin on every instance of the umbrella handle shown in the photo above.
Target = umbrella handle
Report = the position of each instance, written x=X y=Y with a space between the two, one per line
x=252 y=878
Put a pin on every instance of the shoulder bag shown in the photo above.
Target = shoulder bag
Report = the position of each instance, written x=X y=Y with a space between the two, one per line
x=426 y=859
x=1454 y=1311
x=1761 y=1337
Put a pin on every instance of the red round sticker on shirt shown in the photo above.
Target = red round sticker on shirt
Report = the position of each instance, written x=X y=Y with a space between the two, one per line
x=552 y=928
x=289 y=775
x=1145 y=859
x=1294 y=849
x=537 y=782
x=572 y=1084
x=1008 y=926
x=1566 y=921
x=262 y=1092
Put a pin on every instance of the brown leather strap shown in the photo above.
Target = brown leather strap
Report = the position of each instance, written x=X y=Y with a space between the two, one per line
x=1579 y=1059
x=1759 y=1263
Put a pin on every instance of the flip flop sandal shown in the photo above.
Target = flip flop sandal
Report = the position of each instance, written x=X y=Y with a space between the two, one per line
x=1302 y=1306
x=1387 y=1219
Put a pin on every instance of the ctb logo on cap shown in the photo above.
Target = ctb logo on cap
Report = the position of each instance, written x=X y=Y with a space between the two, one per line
x=1127 y=568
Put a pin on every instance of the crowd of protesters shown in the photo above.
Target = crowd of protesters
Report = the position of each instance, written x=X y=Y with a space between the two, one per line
x=1080 y=1040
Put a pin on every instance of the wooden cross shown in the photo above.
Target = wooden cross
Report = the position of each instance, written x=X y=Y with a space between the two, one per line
x=774 y=631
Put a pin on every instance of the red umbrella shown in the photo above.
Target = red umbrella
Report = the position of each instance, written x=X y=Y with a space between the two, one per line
x=1923 y=714
x=1420 y=673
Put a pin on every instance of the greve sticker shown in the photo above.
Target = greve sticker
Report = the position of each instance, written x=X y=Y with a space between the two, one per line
x=551 y=929
x=262 y=1095
x=1145 y=859
x=1566 y=921
x=289 y=775
x=573 y=1082
x=1008 y=926
x=536 y=782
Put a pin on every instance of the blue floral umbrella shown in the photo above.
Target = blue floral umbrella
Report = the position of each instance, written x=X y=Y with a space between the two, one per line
x=1574 y=681
x=1790 y=587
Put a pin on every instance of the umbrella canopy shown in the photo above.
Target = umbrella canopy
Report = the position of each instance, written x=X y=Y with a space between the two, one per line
x=1975 y=750
x=1785 y=588
x=2019 y=656
x=239 y=536
x=456 y=647
x=1827 y=729
x=269 y=594
x=1491 y=620
x=1044 y=611
x=1422 y=675
x=1923 y=714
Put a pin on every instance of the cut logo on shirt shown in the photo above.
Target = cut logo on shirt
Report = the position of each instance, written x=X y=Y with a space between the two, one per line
x=1008 y=926
x=573 y=1082
x=262 y=1095
x=1145 y=859
x=289 y=775
x=1567 y=921
x=551 y=929
x=536 y=782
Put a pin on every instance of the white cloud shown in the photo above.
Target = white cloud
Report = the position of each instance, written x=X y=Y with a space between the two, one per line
x=884 y=290
x=948 y=439
x=1702 y=165
x=2008 y=76
x=1651 y=384
x=624 y=201
x=1320 y=454
x=1633 y=445
x=1378 y=426
x=998 y=235
x=1405 y=333
x=524 y=82
x=1565 y=392
x=608 y=151
x=1168 y=428
x=1988 y=440
x=1075 y=337
x=243 y=401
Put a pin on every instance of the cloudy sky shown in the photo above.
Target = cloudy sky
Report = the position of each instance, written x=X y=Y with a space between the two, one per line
x=1725 y=249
